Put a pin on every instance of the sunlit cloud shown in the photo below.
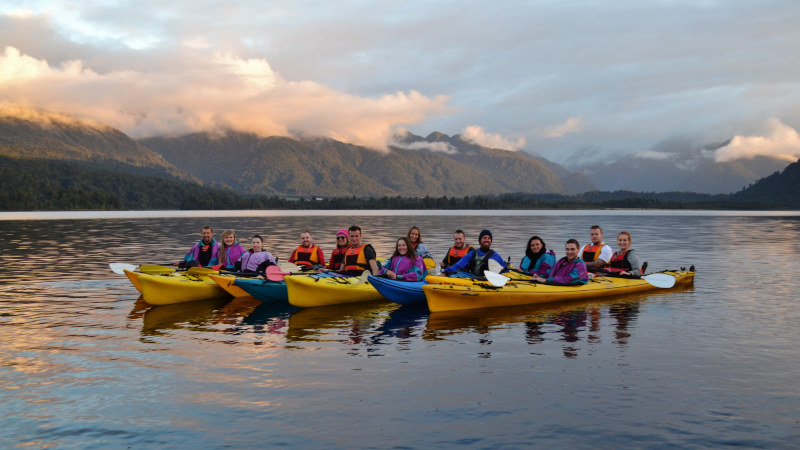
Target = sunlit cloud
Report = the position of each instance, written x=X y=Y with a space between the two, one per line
x=777 y=140
x=572 y=125
x=205 y=92
x=479 y=136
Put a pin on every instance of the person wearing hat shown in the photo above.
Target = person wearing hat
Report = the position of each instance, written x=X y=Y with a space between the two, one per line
x=477 y=261
x=307 y=254
x=337 y=255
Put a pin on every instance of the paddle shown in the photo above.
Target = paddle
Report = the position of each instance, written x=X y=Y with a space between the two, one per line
x=363 y=278
x=660 y=280
x=274 y=273
x=119 y=268
x=495 y=279
x=156 y=269
x=152 y=269
x=201 y=271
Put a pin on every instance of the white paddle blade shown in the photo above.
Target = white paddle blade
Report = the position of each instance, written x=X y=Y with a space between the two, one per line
x=661 y=280
x=288 y=267
x=364 y=277
x=495 y=266
x=119 y=268
x=495 y=279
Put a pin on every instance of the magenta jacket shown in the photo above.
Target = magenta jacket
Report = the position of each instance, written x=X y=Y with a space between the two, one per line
x=567 y=273
x=405 y=268
x=232 y=253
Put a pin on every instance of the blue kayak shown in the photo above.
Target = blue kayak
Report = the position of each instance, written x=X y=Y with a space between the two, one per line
x=264 y=290
x=398 y=291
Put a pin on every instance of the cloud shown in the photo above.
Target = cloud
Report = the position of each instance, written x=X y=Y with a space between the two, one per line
x=572 y=125
x=439 y=147
x=652 y=154
x=777 y=140
x=203 y=91
x=479 y=136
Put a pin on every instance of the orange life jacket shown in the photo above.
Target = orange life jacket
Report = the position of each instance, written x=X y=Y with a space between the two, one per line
x=354 y=259
x=592 y=252
x=619 y=263
x=306 y=257
x=454 y=255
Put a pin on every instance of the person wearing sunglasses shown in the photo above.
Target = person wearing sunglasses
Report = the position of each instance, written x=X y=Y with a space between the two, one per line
x=337 y=255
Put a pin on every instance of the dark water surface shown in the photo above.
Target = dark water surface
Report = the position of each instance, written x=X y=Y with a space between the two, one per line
x=85 y=364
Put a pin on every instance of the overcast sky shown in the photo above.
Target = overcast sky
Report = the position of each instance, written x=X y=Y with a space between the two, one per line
x=569 y=80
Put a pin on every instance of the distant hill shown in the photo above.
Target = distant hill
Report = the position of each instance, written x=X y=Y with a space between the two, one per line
x=680 y=166
x=325 y=167
x=780 y=188
x=514 y=171
x=31 y=134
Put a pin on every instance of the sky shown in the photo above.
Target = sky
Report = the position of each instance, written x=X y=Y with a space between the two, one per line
x=577 y=82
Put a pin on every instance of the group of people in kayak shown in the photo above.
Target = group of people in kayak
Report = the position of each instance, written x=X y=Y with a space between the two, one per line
x=412 y=259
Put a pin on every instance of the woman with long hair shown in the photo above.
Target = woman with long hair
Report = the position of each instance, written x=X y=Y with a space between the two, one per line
x=404 y=264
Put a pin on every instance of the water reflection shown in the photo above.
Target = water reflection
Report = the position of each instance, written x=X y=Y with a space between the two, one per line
x=84 y=363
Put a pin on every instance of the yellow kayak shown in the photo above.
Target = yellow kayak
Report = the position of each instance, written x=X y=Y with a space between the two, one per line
x=226 y=282
x=134 y=277
x=178 y=288
x=323 y=290
x=483 y=295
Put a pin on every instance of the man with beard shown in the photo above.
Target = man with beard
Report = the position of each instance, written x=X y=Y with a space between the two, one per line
x=477 y=261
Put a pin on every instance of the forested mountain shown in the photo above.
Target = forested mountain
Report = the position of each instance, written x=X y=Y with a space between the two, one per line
x=514 y=171
x=31 y=134
x=325 y=167
x=780 y=188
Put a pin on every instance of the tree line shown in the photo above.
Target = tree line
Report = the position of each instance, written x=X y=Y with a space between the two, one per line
x=50 y=185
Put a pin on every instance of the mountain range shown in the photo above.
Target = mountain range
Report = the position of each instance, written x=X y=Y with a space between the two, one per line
x=326 y=167
x=80 y=156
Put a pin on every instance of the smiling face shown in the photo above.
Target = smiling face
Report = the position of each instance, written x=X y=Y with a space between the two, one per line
x=571 y=250
x=623 y=241
x=257 y=244
x=486 y=242
x=536 y=245
x=355 y=238
x=207 y=234
x=413 y=235
x=229 y=239
x=341 y=240
x=402 y=248
x=596 y=235
x=305 y=239
x=458 y=240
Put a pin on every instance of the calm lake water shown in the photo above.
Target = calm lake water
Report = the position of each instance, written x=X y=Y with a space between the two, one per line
x=87 y=364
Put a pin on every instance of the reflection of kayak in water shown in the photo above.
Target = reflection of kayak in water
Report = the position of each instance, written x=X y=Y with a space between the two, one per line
x=353 y=318
x=180 y=315
x=483 y=295
x=402 y=320
x=328 y=289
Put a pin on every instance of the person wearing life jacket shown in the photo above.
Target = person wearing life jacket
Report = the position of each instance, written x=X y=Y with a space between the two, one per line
x=404 y=264
x=477 y=261
x=538 y=260
x=569 y=270
x=596 y=254
x=204 y=253
x=337 y=255
x=358 y=257
x=624 y=262
x=256 y=260
x=457 y=251
x=229 y=251
x=420 y=249
x=307 y=254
